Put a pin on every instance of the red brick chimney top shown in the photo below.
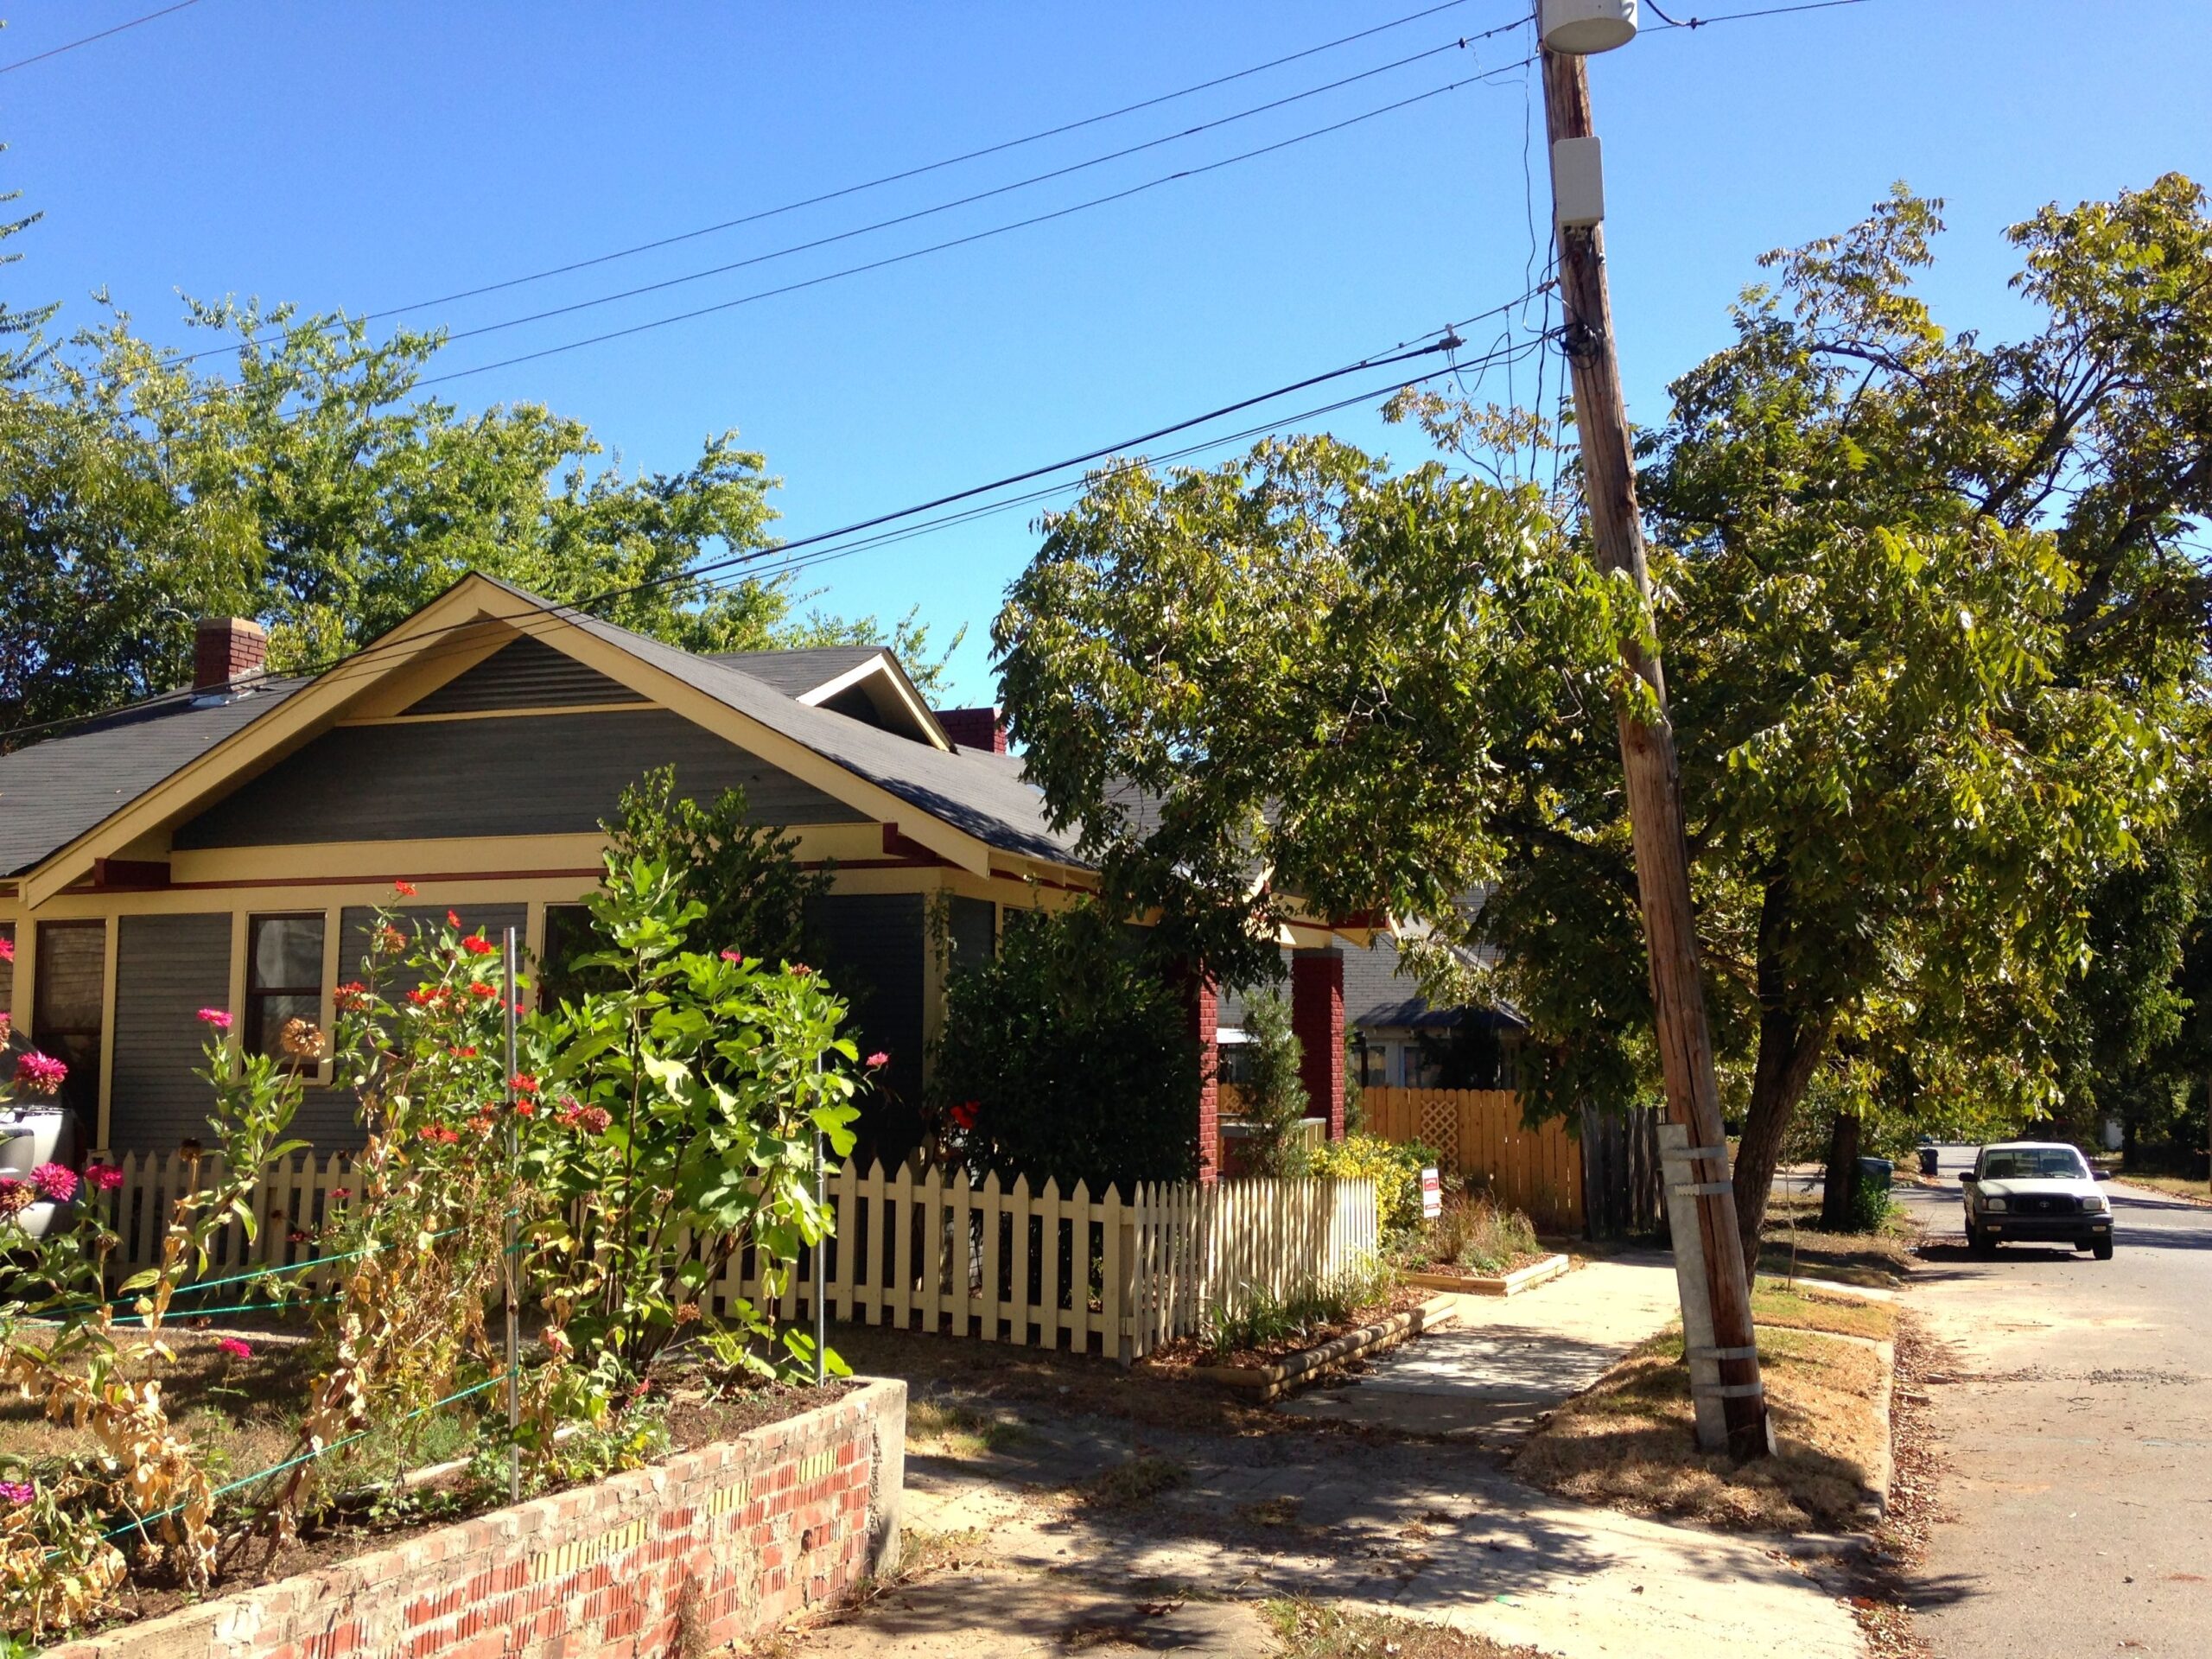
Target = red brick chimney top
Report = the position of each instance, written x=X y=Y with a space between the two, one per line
x=973 y=728
x=225 y=650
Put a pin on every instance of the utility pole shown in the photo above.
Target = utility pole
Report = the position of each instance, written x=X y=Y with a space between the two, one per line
x=1709 y=1265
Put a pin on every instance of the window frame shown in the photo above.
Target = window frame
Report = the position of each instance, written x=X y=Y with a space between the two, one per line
x=252 y=997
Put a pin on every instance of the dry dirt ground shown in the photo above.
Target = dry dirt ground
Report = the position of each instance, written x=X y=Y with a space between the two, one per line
x=1056 y=1506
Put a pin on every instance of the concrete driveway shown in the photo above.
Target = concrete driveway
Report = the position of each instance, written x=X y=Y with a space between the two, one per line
x=2077 y=1417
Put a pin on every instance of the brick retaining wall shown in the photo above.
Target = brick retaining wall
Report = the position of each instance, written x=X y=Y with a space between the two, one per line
x=710 y=1547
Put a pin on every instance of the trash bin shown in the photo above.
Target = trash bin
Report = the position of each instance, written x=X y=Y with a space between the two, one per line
x=1875 y=1173
x=1931 y=1159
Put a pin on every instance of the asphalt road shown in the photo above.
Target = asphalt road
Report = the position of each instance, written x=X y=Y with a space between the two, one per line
x=2077 y=1417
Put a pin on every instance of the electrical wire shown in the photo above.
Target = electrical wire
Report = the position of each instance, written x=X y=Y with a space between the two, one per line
x=983 y=235
x=1403 y=351
x=1738 y=17
x=908 y=172
x=40 y=57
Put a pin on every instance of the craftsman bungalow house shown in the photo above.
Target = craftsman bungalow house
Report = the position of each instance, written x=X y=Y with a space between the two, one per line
x=224 y=846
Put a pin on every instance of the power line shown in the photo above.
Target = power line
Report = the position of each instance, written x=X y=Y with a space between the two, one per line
x=973 y=236
x=1738 y=17
x=909 y=172
x=1404 y=351
x=40 y=57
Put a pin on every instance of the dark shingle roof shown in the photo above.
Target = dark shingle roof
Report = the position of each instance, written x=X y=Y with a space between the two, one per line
x=52 y=793
x=795 y=673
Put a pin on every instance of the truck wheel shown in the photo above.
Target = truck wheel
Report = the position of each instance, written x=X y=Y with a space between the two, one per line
x=2102 y=1249
x=1981 y=1240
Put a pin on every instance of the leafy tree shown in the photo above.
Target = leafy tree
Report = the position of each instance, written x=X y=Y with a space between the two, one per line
x=745 y=877
x=1067 y=1056
x=299 y=472
x=1274 y=1094
x=1930 y=628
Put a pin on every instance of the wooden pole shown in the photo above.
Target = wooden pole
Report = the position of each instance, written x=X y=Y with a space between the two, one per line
x=1718 y=1298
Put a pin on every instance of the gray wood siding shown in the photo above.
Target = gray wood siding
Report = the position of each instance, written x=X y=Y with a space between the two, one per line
x=534 y=774
x=167 y=969
x=528 y=674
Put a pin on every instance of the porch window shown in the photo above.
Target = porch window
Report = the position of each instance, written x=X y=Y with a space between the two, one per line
x=284 y=983
x=67 y=1007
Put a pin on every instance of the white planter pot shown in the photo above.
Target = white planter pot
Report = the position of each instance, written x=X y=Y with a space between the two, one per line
x=42 y=1218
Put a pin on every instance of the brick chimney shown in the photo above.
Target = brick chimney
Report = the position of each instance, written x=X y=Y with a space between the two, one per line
x=225 y=650
x=973 y=728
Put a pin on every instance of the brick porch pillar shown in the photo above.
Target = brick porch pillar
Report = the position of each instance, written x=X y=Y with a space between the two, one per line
x=1204 y=1008
x=1317 y=1014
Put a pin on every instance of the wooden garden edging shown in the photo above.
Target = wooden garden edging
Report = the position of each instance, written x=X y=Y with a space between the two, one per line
x=926 y=1251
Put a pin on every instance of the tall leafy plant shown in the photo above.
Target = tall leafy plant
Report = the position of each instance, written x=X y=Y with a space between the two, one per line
x=1274 y=1096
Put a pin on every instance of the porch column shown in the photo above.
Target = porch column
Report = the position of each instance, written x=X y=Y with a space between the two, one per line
x=1317 y=1014
x=1202 y=1007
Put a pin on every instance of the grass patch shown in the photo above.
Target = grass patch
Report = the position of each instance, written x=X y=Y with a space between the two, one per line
x=953 y=1430
x=1319 y=1630
x=1629 y=1440
x=1881 y=1260
x=1776 y=1305
x=2173 y=1186
x=1137 y=1480
x=1477 y=1236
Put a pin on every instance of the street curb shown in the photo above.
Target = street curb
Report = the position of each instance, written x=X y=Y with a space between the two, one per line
x=1885 y=1401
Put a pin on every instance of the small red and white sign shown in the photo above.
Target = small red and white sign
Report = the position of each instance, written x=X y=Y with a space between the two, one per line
x=1432 y=1195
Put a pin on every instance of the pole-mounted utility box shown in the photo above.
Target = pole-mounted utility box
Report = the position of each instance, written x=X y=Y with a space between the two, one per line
x=1578 y=183
x=1579 y=28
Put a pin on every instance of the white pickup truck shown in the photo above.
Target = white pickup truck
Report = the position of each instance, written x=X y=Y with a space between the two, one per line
x=2039 y=1191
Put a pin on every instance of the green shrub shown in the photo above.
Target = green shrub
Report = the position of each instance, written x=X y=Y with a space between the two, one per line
x=1870 y=1206
x=1274 y=1095
x=1260 y=1317
x=1394 y=1166
x=1067 y=1056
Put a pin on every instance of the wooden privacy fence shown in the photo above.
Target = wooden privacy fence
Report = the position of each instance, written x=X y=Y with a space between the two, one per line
x=1480 y=1132
x=929 y=1251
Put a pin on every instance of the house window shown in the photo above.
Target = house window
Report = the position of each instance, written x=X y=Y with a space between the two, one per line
x=284 y=983
x=71 y=977
x=568 y=936
x=1374 y=1060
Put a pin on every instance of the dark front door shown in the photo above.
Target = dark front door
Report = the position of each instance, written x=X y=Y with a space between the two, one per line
x=72 y=968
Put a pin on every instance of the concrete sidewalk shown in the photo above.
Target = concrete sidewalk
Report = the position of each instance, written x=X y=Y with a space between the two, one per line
x=1508 y=1359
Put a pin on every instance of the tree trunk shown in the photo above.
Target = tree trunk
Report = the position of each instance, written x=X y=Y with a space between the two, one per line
x=1789 y=1046
x=1840 y=1182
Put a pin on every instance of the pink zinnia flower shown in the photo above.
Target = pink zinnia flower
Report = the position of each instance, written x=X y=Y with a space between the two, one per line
x=40 y=1074
x=218 y=1018
x=878 y=1060
x=734 y=956
x=237 y=1350
x=55 y=1181
x=17 y=1491
x=103 y=1178
x=7 y=950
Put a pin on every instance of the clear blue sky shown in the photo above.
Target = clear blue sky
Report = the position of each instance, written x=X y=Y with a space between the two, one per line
x=361 y=155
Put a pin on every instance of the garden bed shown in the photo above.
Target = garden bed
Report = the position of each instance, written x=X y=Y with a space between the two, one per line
x=1273 y=1375
x=791 y=1498
x=1525 y=1271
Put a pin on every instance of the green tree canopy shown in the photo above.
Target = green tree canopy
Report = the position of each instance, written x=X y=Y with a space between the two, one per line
x=298 y=472
x=1931 y=631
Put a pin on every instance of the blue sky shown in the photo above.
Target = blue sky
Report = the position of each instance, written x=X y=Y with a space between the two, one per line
x=363 y=155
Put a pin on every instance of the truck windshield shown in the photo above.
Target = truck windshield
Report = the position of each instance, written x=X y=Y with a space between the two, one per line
x=2034 y=1164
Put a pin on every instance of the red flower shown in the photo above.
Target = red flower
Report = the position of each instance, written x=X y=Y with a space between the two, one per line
x=404 y=887
x=297 y=1235
x=463 y=1053
x=350 y=995
x=525 y=1109
x=103 y=1178
x=798 y=970
x=525 y=1083
x=963 y=1115
x=236 y=1349
x=479 y=1126
x=452 y=919
x=389 y=939
x=478 y=987
x=340 y=1194
x=477 y=945
x=422 y=996
x=39 y=1074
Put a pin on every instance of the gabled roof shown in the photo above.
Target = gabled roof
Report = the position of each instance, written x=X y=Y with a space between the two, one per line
x=53 y=792
x=89 y=793
x=796 y=672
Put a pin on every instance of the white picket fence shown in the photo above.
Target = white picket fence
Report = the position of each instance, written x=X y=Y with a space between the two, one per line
x=932 y=1252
